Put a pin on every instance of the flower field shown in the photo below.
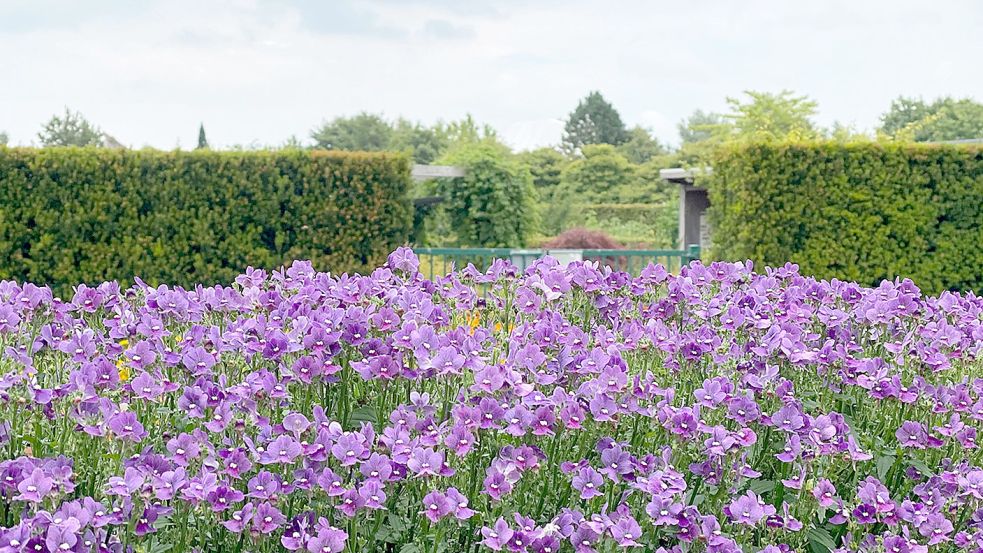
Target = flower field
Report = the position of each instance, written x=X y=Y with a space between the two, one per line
x=563 y=409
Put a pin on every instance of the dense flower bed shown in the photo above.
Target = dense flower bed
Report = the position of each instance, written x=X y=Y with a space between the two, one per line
x=565 y=409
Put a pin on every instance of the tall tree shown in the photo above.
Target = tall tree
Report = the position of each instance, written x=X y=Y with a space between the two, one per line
x=71 y=130
x=545 y=165
x=202 y=141
x=641 y=146
x=944 y=119
x=768 y=115
x=3 y=138
x=700 y=126
x=366 y=131
x=595 y=121
x=598 y=175
x=424 y=144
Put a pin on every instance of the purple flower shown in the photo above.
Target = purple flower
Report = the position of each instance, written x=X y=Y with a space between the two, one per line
x=936 y=527
x=425 y=462
x=626 y=531
x=748 y=509
x=912 y=434
x=496 y=537
x=267 y=518
x=436 y=506
x=35 y=487
x=282 y=450
x=240 y=519
x=223 y=497
x=328 y=539
x=127 y=426
x=63 y=535
x=460 y=504
x=588 y=482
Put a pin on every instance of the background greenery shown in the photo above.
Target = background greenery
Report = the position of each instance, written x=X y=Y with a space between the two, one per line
x=863 y=211
x=603 y=177
x=71 y=215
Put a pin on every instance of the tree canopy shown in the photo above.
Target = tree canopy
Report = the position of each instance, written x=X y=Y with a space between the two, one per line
x=943 y=119
x=70 y=130
x=594 y=121
x=202 y=140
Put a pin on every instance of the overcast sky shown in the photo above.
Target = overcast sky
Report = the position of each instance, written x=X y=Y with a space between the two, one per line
x=259 y=71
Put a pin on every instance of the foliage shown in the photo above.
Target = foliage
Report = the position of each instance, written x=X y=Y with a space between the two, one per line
x=3 y=138
x=545 y=165
x=944 y=119
x=604 y=191
x=596 y=175
x=641 y=146
x=466 y=131
x=202 y=140
x=653 y=224
x=767 y=115
x=424 y=144
x=761 y=116
x=567 y=409
x=72 y=215
x=493 y=205
x=594 y=121
x=860 y=211
x=700 y=126
x=71 y=130
x=365 y=132
x=581 y=238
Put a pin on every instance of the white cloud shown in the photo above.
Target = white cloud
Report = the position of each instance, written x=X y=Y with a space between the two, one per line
x=263 y=70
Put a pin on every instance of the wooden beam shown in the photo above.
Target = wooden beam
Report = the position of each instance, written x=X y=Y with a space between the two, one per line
x=426 y=172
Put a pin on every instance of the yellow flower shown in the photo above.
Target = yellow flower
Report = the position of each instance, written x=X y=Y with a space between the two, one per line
x=474 y=320
x=124 y=342
x=124 y=373
x=498 y=327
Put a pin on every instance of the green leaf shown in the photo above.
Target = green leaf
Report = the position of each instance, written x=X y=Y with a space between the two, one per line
x=821 y=540
x=762 y=486
x=365 y=414
x=884 y=464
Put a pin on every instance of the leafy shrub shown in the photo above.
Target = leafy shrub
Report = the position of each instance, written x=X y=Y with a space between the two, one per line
x=494 y=204
x=858 y=211
x=70 y=215
x=566 y=409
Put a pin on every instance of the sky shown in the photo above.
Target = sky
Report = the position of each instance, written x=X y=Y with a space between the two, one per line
x=257 y=72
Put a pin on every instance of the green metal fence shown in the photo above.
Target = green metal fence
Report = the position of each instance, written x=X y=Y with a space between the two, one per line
x=440 y=261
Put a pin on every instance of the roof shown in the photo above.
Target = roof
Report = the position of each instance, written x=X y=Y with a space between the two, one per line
x=680 y=175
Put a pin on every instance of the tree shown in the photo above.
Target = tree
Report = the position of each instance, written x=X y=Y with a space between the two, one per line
x=493 y=205
x=466 y=131
x=424 y=144
x=595 y=121
x=597 y=176
x=202 y=141
x=767 y=115
x=545 y=165
x=701 y=126
x=71 y=130
x=365 y=131
x=944 y=119
x=3 y=138
x=641 y=146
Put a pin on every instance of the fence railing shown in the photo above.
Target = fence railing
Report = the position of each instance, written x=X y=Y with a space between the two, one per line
x=440 y=261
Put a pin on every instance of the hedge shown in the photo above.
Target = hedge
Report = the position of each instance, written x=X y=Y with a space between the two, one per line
x=71 y=215
x=859 y=211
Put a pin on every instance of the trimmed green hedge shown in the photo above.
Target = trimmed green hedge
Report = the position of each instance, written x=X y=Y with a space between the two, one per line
x=860 y=211
x=71 y=215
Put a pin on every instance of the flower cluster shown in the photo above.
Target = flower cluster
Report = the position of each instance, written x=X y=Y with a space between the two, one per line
x=566 y=408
